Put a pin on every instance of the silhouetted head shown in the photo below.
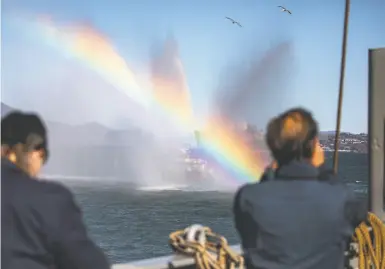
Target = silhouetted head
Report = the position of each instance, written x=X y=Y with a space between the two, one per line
x=24 y=141
x=292 y=136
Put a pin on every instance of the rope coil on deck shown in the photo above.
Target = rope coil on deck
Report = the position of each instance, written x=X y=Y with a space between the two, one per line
x=370 y=238
x=209 y=250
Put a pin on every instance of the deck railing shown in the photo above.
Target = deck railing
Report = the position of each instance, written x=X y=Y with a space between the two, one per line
x=164 y=262
x=178 y=262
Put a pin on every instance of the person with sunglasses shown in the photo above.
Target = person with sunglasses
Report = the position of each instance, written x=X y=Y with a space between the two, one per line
x=41 y=225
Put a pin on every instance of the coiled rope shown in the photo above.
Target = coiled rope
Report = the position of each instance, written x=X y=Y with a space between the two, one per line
x=370 y=238
x=211 y=250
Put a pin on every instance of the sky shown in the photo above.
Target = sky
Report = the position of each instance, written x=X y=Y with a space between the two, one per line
x=34 y=76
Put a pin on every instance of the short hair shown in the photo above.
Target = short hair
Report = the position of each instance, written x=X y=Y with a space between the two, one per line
x=290 y=136
x=24 y=128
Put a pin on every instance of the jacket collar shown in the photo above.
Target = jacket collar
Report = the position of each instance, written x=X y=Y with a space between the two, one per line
x=297 y=170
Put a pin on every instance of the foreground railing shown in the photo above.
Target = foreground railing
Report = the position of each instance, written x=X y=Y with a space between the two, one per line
x=165 y=262
x=179 y=262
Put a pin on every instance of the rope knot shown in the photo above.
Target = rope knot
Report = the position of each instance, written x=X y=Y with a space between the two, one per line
x=209 y=250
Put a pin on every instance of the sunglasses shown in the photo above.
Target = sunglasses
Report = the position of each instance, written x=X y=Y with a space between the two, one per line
x=44 y=152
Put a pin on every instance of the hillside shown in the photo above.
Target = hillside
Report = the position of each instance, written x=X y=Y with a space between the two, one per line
x=348 y=142
x=94 y=150
x=5 y=109
x=89 y=134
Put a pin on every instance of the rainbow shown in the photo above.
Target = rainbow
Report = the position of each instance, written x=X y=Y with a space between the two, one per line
x=94 y=50
x=231 y=152
x=228 y=152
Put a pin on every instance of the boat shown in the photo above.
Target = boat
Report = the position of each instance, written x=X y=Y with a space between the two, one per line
x=376 y=192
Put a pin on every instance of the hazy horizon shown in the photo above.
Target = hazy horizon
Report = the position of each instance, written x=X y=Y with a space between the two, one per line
x=129 y=128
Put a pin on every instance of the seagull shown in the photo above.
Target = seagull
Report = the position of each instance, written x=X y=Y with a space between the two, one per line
x=283 y=9
x=233 y=21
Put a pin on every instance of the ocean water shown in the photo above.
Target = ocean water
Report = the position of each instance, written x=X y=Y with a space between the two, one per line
x=131 y=225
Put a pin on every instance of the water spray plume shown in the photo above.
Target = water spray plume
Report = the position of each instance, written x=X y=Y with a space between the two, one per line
x=251 y=88
x=254 y=86
x=170 y=86
x=228 y=148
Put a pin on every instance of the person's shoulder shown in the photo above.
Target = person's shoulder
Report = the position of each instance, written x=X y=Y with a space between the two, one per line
x=327 y=176
x=56 y=189
x=246 y=190
x=54 y=198
x=21 y=183
x=46 y=197
x=267 y=175
x=335 y=185
x=44 y=192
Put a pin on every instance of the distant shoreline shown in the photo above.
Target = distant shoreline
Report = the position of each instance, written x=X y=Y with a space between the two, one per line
x=345 y=151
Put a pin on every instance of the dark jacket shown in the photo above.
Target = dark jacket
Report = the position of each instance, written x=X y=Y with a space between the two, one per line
x=299 y=217
x=42 y=227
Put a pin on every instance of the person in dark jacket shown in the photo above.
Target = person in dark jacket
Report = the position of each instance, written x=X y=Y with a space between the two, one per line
x=300 y=216
x=41 y=225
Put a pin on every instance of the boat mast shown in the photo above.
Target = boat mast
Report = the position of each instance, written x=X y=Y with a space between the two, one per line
x=341 y=86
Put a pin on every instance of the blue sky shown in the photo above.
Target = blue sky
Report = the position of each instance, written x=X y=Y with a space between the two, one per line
x=208 y=44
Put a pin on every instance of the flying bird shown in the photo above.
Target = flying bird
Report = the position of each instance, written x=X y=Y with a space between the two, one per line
x=283 y=9
x=233 y=21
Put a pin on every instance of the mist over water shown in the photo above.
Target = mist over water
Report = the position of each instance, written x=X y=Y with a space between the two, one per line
x=254 y=89
x=144 y=151
x=97 y=134
x=169 y=83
